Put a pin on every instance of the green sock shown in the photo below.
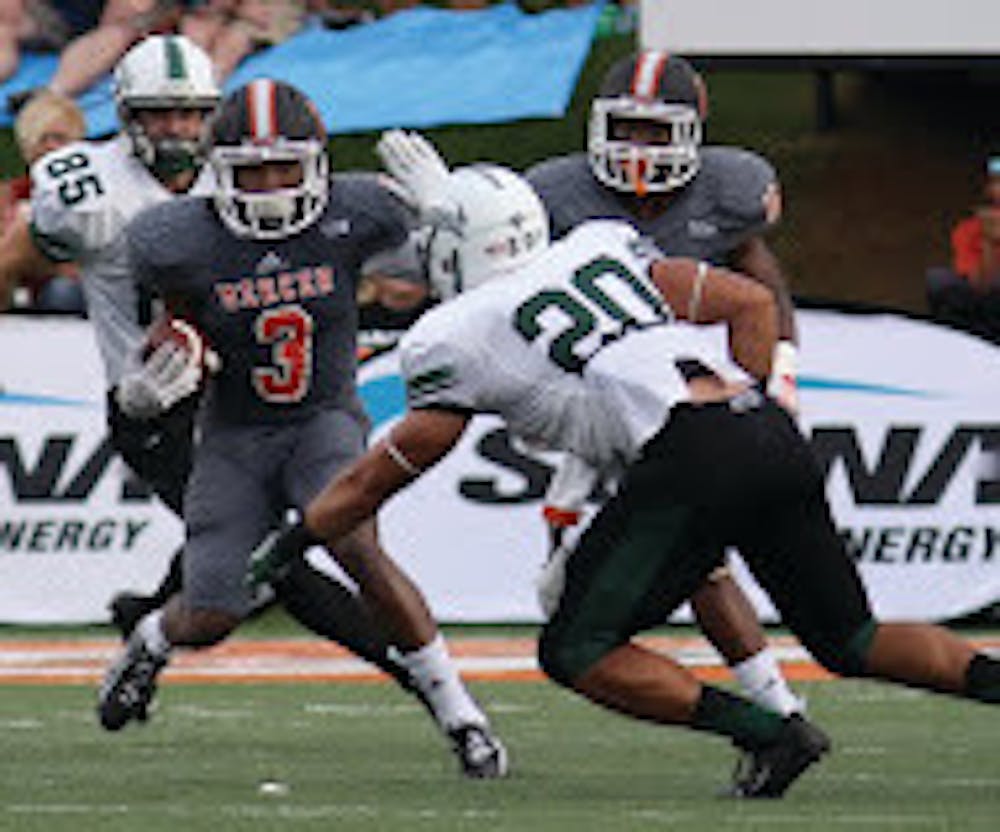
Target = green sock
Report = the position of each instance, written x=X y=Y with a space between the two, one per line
x=746 y=724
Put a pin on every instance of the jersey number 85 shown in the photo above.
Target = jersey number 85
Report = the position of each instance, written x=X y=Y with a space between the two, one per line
x=77 y=181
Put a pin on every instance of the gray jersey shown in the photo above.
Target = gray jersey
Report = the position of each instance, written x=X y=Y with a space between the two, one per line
x=82 y=197
x=282 y=314
x=733 y=197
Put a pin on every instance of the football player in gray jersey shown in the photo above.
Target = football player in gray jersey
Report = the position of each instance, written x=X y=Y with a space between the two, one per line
x=645 y=165
x=265 y=271
x=82 y=198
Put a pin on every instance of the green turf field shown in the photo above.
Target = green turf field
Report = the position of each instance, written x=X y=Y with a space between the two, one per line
x=362 y=756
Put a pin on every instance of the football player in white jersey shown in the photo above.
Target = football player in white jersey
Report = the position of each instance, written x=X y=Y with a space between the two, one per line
x=707 y=460
x=82 y=197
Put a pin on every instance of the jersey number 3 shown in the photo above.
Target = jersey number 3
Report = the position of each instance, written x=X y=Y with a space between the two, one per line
x=288 y=330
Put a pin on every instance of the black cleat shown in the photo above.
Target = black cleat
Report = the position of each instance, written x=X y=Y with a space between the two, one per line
x=127 y=609
x=128 y=687
x=769 y=771
x=481 y=754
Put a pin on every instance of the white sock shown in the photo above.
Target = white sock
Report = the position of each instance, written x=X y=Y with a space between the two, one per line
x=436 y=676
x=762 y=681
x=150 y=632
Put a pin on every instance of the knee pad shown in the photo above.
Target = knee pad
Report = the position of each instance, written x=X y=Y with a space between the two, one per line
x=849 y=656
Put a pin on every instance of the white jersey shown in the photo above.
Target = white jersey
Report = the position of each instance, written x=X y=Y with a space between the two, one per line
x=576 y=352
x=82 y=197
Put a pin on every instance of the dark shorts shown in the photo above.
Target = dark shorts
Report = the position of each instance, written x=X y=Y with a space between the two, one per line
x=714 y=476
x=244 y=479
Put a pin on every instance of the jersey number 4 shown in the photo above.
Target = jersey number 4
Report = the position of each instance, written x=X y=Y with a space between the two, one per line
x=76 y=178
x=603 y=301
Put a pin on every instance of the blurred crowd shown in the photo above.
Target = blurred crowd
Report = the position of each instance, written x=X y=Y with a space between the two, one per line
x=966 y=293
x=91 y=35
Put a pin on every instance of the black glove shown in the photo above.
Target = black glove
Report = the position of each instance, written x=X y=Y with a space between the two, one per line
x=270 y=559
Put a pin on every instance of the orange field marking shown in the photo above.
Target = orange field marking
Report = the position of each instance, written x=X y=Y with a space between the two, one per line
x=29 y=662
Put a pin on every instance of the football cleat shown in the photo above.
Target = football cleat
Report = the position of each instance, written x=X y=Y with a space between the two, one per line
x=127 y=609
x=482 y=755
x=128 y=687
x=767 y=772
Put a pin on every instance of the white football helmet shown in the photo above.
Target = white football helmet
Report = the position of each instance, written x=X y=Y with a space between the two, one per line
x=490 y=221
x=266 y=121
x=658 y=88
x=164 y=72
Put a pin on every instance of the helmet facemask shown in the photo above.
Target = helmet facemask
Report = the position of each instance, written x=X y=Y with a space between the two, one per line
x=168 y=156
x=643 y=167
x=164 y=72
x=271 y=214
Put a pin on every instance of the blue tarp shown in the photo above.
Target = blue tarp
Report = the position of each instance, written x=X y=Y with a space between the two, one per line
x=420 y=67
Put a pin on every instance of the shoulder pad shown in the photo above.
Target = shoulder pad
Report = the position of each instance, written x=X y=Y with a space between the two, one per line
x=76 y=198
x=435 y=368
x=743 y=185
x=71 y=210
x=165 y=240
x=551 y=173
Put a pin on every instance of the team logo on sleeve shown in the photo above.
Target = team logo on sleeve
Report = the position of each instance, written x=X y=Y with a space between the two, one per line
x=427 y=385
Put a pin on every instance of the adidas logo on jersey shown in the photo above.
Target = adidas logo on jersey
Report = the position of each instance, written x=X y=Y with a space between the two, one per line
x=271 y=262
x=702 y=229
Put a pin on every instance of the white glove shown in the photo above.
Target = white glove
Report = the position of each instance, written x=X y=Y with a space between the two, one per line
x=551 y=581
x=171 y=372
x=415 y=164
x=783 y=383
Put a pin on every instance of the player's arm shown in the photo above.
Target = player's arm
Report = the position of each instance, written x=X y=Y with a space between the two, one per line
x=412 y=446
x=755 y=259
x=20 y=258
x=171 y=361
x=705 y=294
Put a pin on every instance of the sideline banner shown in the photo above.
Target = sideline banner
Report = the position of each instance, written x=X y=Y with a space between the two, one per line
x=74 y=526
x=903 y=414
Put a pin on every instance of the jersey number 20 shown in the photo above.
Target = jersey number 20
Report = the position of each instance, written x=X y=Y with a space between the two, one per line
x=605 y=300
